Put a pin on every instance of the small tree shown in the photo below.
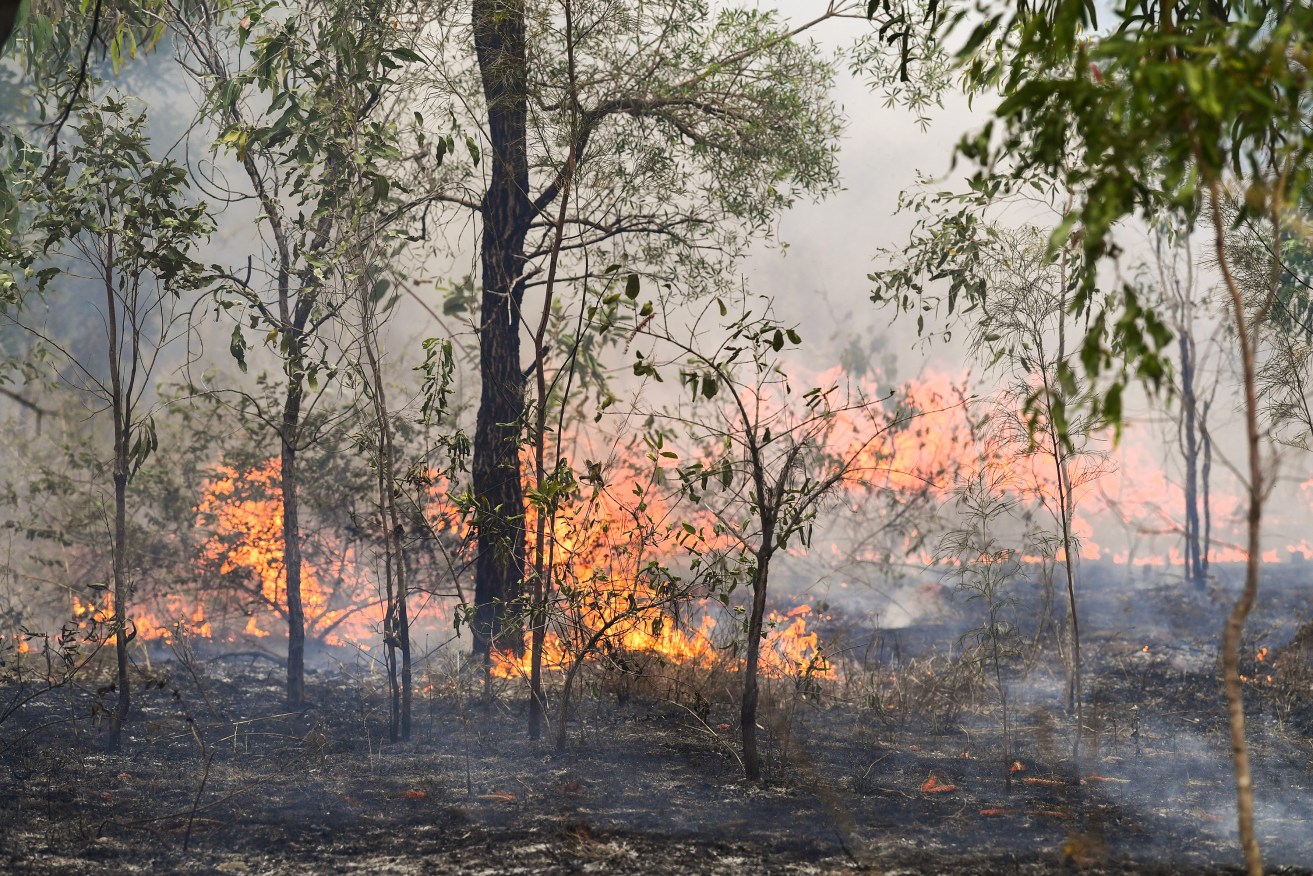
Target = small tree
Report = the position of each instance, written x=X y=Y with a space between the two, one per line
x=1155 y=119
x=402 y=488
x=1023 y=329
x=301 y=99
x=1175 y=270
x=617 y=540
x=111 y=208
x=371 y=291
x=983 y=567
x=769 y=457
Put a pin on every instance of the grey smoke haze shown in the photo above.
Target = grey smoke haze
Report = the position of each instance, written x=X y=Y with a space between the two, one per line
x=815 y=272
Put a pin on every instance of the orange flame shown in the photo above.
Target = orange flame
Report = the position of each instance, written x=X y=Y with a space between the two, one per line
x=602 y=555
x=606 y=555
x=243 y=511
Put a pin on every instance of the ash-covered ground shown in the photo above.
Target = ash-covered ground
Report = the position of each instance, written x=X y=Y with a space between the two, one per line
x=894 y=765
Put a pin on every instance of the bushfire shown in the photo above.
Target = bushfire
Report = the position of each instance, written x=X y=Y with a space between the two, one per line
x=603 y=560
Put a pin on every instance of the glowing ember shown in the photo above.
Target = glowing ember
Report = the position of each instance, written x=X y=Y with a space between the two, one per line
x=932 y=785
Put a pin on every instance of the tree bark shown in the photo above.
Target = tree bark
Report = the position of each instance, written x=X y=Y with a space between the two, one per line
x=8 y=17
x=1205 y=476
x=292 y=541
x=1235 y=623
x=752 y=659
x=403 y=632
x=499 y=41
x=1189 y=420
x=121 y=595
x=396 y=623
x=1066 y=513
x=120 y=405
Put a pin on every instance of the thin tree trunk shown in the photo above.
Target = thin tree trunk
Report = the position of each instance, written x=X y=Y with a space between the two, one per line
x=121 y=598
x=391 y=642
x=1235 y=623
x=542 y=579
x=499 y=41
x=1003 y=701
x=1189 y=416
x=1066 y=510
x=752 y=658
x=120 y=406
x=403 y=631
x=1205 y=476
x=292 y=541
x=396 y=626
x=542 y=567
x=1064 y=494
x=591 y=645
x=562 y=720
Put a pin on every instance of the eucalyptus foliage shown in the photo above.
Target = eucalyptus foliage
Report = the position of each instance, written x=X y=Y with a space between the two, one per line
x=1157 y=118
x=1134 y=116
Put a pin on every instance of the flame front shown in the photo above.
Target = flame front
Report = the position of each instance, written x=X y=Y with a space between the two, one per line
x=243 y=512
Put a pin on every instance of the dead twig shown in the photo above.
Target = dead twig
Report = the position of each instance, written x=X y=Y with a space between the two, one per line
x=722 y=742
x=206 y=756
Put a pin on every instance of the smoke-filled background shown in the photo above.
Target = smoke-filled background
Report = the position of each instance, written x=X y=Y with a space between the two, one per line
x=811 y=268
x=951 y=504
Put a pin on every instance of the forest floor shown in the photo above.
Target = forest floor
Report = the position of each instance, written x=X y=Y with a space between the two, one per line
x=898 y=768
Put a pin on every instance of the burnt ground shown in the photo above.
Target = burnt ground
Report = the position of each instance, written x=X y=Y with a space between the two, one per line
x=650 y=778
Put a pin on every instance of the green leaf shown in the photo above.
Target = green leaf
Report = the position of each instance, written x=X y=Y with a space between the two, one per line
x=710 y=385
x=1112 y=404
x=407 y=55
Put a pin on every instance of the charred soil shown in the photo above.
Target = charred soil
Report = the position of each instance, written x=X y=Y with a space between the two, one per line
x=897 y=766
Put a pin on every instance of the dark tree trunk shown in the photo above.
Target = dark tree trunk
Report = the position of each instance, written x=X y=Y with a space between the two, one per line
x=752 y=660
x=8 y=17
x=506 y=210
x=403 y=633
x=121 y=595
x=121 y=407
x=292 y=542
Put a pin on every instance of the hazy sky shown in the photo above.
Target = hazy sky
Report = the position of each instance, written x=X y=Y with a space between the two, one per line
x=820 y=283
